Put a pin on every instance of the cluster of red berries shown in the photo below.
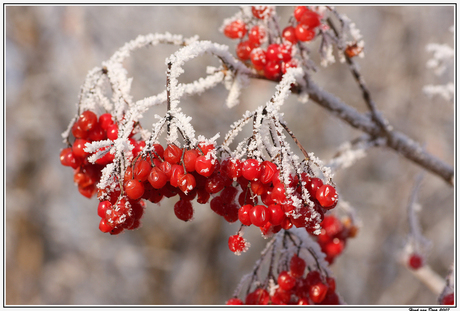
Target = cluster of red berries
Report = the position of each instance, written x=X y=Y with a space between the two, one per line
x=274 y=60
x=333 y=236
x=293 y=288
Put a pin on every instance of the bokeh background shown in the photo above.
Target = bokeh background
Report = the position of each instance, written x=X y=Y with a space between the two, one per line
x=55 y=253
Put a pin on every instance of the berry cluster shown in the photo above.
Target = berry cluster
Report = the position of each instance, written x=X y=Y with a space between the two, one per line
x=333 y=236
x=273 y=60
x=293 y=287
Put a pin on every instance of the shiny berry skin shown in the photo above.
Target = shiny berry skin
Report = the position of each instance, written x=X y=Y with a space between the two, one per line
x=276 y=214
x=104 y=226
x=318 y=292
x=204 y=166
x=286 y=52
x=236 y=243
x=105 y=120
x=260 y=11
x=310 y=19
x=102 y=208
x=286 y=281
x=157 y=178
x=272 y=70
x=183 y=210
x=327 y=196
x=63 y=156
x=258 y=58
x=112 y=131
x=187 y=183
x=134 y=189
x=244 y=214
x=303 y=33
x=297 y=266
x=330 y=283
x=289 y=34
x=268 y=170
x=77 y=131
x=141 y=170
x=235 y=30
x=292 y=63
x=274 y=52
x=278 y=193
x=203 y=196
x=71 y=160
x=415 y=261
x=243 y=50
x=234 y=301
x=313 y=186
x=448 y=299
x=258 y=297
x=172 y=154
x=78 y=148
x=87 y=120
x=177 y=171
x=299 y=11
x=190 y=157
x=259 y=215
x=334 y=248
x=215 y=183
x=256 y=35
x=251 y=169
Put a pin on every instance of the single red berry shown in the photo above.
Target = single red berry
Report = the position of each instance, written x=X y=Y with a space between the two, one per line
x=289 y=34
x=286 y=281
x=313 y=186
x=303 y=301
x=292 y=63
x=236 y=243
x=331 y=298
x=157 y=178
x=332 y=226
x=112 y=131
x=313 y=277
x=105 y=226
x=415 y=261
x=448 y=299
x=259 y=296
x=142 y=170
x=272 y=70
x=243 y=50
x=285 y=52
x=134 y=189
x=268 y=170
x=217 y=205
x=310 y=19
x=87 y=191
x=87 y=120
x=172 y=154
x=97 y=133
x=258 y=58
x=235 y=29
x=260 y=11
x=334 y=248
x=107 y=157
x=77 y=131
x=105 y=120
x=204 y=166
x=215 y=183
x=257 y=35
x=234 y=301
x=318 y=292
x=297 y=266
x=102 y=208
x=266 y=197
x=274 y=53
x=279 y=193
x=244 y=214
x=286 y=224
x=330 y=283
x=183 y=210
x=78 y=148
x=137 y=209
x=251 y=169
x=259 y=215
x=190 y=157
x=276 y=214
x=327 y=196
x=187 y=183
x=280 y=297
x=304 y=33
x=177 y=171
x=230 y=212
x=63 y=156
x=299 y=11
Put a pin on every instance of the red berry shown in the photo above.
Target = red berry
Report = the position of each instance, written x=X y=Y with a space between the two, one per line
x=78 y=148
x=217 y=206
x=313 y=186
x=448 y=299
x=235 y=30
x=204 y=166
x=104 y=226
x=215 y=183
x=183 y=210
x=187 y=183
x=230 y=212
x=272 y=70
x=276 y=214
x=138 y=209
x=258 y=297
x=97 y=133
x=281 y=297
x=334 y=248
x=117 y=230
x=112 y=131
x=243 y=50
x=289 y=34
x=190 y=157
x=87 y=120
x=304 y=33
x=177 y=171
x=251 y=169
x=313 y=277
x=286 y=224
x=259 y=215
x=332 y=226
x=415 y=261
x=257 y=187
x=141 y=170
x=268 y=170
x=285 y=52
x=105 y=120
x=274 y=53
x=299 y=11
x=330 y=283
x=236 y=243
x=102 y=208
x=172 y=154
x=292 y=63
x=77 y=131
x=327 y=196
x=244 y=214
x=318 y=292
x=64 y=158
x=279 y=193
x=157 y=178
x=234 y=301
x=303 y=301
x=310 y=19
x=256 y=35
x=258 y=58
x=286 y=281
x=260 y=11
x=297 y=266
x=134 y=189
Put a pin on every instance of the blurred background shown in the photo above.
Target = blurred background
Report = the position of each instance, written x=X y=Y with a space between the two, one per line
x=55 y=253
